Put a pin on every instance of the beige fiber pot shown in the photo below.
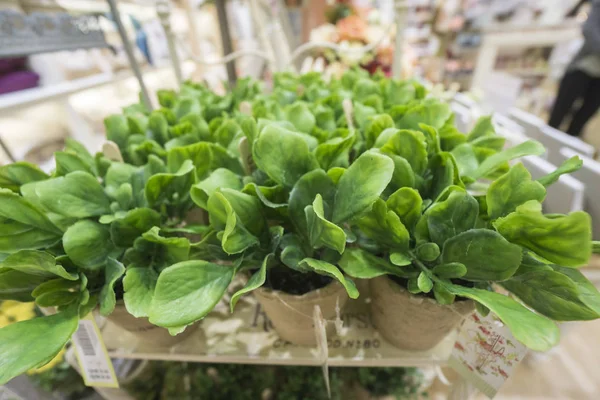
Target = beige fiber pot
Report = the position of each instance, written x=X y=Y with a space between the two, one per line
x=292 y=314
x=412 y=322
x=144 y=330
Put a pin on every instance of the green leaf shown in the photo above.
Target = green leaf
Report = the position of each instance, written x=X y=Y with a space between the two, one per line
x=270 y=196
x=33 y=343
x=571 y=165
x=156 y=251
x=565 y=240
x=88 y=244
x=163 y=187
x=23 y=225
x=384 y=227
x=325 y=268
x=407 y=203
x=124 y=230
x=442 y=295
x=248 y=208
x=57 y=292
x=256 y=280
x=410 y=145
x=77 y=195
x=466 y=159
x=138 y=285
x=283 y=155
x=486 y=254
x=428 y=252
x=588 y=293
x=17 y=285
x=376 y=125
x=158 y=127
x=117 y=130
x=205 y=156
x=413 y=286
x=450 y=270
x=219 y=178
x=403 y=175
x=361 y=185
x=327 y=153
x=528 y=148
x=191 y=282
x=38 y=263
x=533 y=330
x=360 y=264
x=551 y=294
x=424 y=282
x=457 y=214
x=235 y=236
x=322 y=232
x=114 y=271
x=292 y=252
x=483 y=127
x=301 y=117
x=511 y=190
x=400 y=259
x=443 y=172
x=69 y=162
x=303 y=194
x=13 y=176
x=434 y=114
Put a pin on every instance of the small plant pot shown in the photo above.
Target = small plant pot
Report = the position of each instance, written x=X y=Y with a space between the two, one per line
x=292 y=315
x=145 y=331
x=412 y=322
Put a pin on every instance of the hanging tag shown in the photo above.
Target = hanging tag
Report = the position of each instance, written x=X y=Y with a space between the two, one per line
x=94 y=363
x=486 y=353
x=321 y=335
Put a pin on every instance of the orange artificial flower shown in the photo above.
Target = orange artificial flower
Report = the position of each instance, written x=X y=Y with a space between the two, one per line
x=352 y=28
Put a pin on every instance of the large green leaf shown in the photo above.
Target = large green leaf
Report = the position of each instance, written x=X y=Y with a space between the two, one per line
x=77 y=195
x=303 y=194
x=533 y=330
x=511 y=190
x=112 y=273
x=154 y=250
x=256 y=280
x=588 y=293
x=403 y=175
x=376 y=125
x=384 y=227
x=38 y=263
x=219 y=178
x=325 y=268
x=124 y=230
x=407 y=203
x=571 y=165
x=466 y=159
x=283 y=155
x=564 y=240
x=31 y=344
x=163 y=187
x=444 y=172
x=301 y=117
x=191 y=282
x=410 y=145
x=361 y=185
x=485 y=253
x=529 y=148
x=17 y=285
x=23 y=225
x=56 y=292
x=12 y=176
x=433 y=114
x=69 y=162
x=247 y=208
x=88 y=244
x=138 y=285
x=551 y=294
x=322 y=232
x=117 y=130
x=448 y=218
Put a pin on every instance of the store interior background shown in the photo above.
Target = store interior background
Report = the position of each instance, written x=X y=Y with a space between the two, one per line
x=504 y=54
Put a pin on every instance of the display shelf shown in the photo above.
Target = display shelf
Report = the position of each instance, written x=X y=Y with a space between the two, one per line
x=29 y=97
x=246 y=337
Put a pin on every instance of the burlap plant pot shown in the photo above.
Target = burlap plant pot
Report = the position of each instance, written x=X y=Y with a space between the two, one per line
x=144 y=330
x=291 y=315
x=412 y=322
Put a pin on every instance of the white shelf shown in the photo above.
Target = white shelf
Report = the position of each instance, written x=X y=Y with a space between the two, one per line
x=246 y=337
x=33 y=96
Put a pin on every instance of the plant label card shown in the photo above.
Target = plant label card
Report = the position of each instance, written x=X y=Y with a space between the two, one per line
x=95 y=365
x=485 y=353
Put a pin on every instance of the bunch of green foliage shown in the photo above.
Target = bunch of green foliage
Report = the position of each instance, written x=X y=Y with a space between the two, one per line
x=403 y=383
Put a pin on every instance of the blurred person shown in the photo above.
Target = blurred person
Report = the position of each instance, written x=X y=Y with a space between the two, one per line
x=581 y=80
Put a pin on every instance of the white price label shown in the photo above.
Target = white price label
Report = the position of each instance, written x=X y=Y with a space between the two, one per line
x=96 y=367
x=485 y=353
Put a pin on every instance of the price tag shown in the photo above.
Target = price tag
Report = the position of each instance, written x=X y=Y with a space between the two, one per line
x=95 y=365
x=486 y=353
